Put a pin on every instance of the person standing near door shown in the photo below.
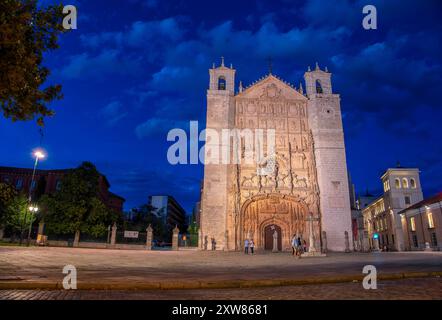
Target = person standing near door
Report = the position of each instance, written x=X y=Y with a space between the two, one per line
x=252 y=246
x=294 y=242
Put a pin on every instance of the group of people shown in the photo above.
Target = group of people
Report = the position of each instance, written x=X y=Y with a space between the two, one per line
x=299 y=245
x=249 y=244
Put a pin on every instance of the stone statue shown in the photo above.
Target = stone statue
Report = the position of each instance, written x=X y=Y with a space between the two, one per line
x=275 y=241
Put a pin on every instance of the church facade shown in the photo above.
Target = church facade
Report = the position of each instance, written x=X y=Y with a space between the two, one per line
x=309 y=180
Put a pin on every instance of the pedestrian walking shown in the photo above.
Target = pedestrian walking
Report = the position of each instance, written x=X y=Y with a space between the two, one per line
x=299 y=245
x=294 y=242
x=246 y=246
x=252 y=246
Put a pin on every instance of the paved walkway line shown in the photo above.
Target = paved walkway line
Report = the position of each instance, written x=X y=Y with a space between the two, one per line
x=221 y=284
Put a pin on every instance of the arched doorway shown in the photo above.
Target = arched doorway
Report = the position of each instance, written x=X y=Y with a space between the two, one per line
x=287 y=213
x=268 y=236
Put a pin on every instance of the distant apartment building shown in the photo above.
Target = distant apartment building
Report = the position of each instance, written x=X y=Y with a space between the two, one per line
x=49 y=181
x=357 y=203
x=196 y=214
x=382 y=222
x=422 y=224
x=167 y=208
x=198 y=205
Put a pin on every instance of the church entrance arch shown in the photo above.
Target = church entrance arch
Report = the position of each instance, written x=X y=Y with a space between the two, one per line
x=269 y=235
x=262 y=214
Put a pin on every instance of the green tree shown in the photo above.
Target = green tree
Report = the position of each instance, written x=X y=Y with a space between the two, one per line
x=77 y=207
x=26 y=32
x=7 y=194
x=18 y=216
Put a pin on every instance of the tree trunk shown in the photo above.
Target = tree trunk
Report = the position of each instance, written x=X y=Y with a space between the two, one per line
x=76 y=238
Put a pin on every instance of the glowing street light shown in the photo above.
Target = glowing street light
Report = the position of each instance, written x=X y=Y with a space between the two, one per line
x=39 y=154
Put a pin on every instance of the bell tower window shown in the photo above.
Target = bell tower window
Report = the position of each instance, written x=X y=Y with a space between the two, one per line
x=221 y=83
x=318 y=87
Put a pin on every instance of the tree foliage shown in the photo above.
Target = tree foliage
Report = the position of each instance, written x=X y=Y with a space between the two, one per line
x=77 y=205
x=18 y=216
x=26 y=32
x=7 y=195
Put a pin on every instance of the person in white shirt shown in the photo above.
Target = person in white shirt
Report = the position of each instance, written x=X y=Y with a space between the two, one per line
x=294 y=244
x=252 y=246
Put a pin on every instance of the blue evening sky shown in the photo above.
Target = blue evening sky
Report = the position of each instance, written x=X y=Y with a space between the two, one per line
x=135 y=69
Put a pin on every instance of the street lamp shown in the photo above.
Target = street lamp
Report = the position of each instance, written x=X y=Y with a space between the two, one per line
x=38 y=154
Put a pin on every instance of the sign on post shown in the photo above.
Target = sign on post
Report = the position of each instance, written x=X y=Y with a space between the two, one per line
x=131 y=234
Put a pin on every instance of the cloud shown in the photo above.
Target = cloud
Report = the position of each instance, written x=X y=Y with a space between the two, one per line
x=113 y=113
x=156 y=126
x=140 y=34
x=107 y=62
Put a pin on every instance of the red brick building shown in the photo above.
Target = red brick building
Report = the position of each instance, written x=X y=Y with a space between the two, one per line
x=49 y=181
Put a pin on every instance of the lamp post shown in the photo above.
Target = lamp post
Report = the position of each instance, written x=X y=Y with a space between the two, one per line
x=32 y=209
x=38 y=154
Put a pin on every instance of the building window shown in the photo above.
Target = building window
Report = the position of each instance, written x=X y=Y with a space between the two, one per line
x=407 y=200
x=19 y=184
x=221 y=83
x=433 y=239
x=6 y=179
x=318 y=87
x=58 y=185
x=430 y=220
x=404 y=183
x=413 y=183
x=413 y=224
x=33 y=184
x=397 y=183
x=415 y=241
x=392 y=238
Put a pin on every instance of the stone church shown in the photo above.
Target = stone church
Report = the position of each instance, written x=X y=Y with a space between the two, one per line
x=310 y=177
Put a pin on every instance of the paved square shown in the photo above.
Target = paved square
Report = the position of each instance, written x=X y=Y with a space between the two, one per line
x=127 y=268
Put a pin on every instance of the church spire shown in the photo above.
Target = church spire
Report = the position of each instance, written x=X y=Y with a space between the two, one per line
x=222 y=61
x=240 y=89
x=301 y=89
x=317 y=67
